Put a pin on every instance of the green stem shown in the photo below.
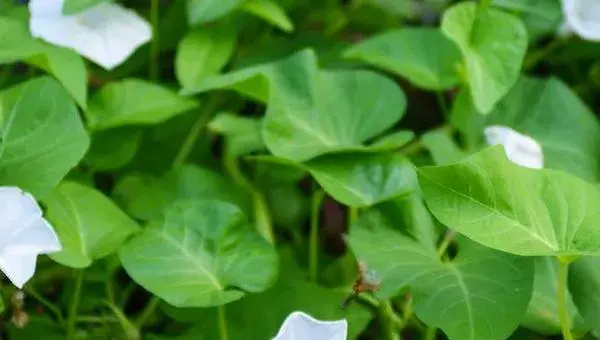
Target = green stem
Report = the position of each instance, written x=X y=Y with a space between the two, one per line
x=49 y=305
x=195 y=132
x=536 y=56
x=450 y=234
x=563 y=310
x=442 y=102
x=154 y=45
x=72 y=317
x=430 y=333
x=130 y=331
x=222 y=323
x=96 y=319
x=352 y=216
x=147 y=312
x=387 y=317
x=313 y=247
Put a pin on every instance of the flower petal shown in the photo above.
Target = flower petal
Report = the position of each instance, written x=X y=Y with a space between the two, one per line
x=107 y=33
x=583 y=16
x=26 y=234
x=520 y=149
x=299 y=325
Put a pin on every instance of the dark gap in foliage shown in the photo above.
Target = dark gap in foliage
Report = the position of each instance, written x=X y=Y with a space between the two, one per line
x=104 y=182
x=333 y=222
x=423 y=112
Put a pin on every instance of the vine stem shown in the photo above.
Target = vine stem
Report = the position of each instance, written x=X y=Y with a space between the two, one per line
x=147 y=312
x=313 y=250
x=51 y=307
x=390 y=329
x=450 y=234
x=72 y=318
x=563 y=310
x=222 y=323
x=154 y=46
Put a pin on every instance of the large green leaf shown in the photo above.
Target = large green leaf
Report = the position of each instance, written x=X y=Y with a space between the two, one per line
x=364 y=179
x=292 y=292
x=542 y=313
x=493 y=44
x=480 y=294
x=512 y=208
x=201 y=254
x=311 y=112
x=537 y=108
x=43 y=137
x=89 y=225
x=146 y=197
x=204 y=51
x=584 y=285
x=134 y=102
x=202 y=11
x=423 y=55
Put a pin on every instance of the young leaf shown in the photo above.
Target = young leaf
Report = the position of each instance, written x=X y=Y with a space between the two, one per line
x=584 y=285
x=120 y=103
x=480 y=294
x=537 y=108
x=90 y=226
x=493 y=44
x=242 y=133
x=364 y=179
x=201 y=254
x=311 y=112
x=202 y=52
x=43 y=137
x=270 y=11
x=515 y=209
x=442 y=147
x=202 y=11
x=146 y=197
x=423 y=55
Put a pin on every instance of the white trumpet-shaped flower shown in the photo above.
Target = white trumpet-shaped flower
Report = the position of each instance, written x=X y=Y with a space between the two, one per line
x=581 y=17
x=300 y=326
x=106 y=33
x=520 y=149
x=24 y=234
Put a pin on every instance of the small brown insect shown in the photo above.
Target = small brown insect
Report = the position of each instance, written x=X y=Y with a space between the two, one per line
x=367 y=281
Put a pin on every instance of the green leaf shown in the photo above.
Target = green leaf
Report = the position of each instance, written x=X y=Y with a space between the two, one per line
x=113 y=149
x=536 y=107
x=442 y=147
x=201 y=254
x=292 y=292
x=89 y=225
x=16 y=43
x=134 y=102
x=204 y=51
x=364 y=179
x=43 y=137
x=307 y=107
x=242 y=133
x=393 y=140
x=270 y=11
x=422 y=55
x=146 y=197
x=493 y=44
x=515 y=209
x=542 y=313
x=540 y=17
x=584 y=285
x=480 y=294
x=76 y=6
x=202 y=11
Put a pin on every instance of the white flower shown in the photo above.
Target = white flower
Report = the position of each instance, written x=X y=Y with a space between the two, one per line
x=300 y=326
x=582 y=17
x=24 y=235
x=520 y=149
x=107 y=33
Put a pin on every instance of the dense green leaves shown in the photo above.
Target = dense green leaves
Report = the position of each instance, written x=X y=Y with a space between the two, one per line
x=584 y=284
x=42 y=136
x=493 y=44
x=480 y=294
x=242 y=133
x=424 y=56
x=311 y=112
x=536 y=107
x=90 y=226
x=202 y=253
x=134 y=102
x=514 y=209
x=201 y=11
x=270 y=11
x=113 y=149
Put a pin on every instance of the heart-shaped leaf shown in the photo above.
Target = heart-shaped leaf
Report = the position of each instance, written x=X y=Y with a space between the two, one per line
x=364 y=179
x=43 y=137
x=493 y=44
x=480 y=294
x=311 y=112
x=201 y=254
x=423 y=55
x=89 y=225
x=536 y=107
x=515 y=209
x=120 y=103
